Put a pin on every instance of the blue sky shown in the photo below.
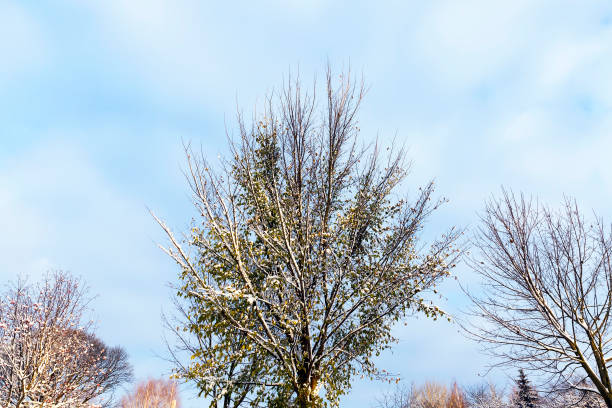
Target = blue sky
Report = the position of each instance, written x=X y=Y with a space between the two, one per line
x=97 y=97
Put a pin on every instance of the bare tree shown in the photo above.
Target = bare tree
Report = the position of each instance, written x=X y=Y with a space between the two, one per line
x=431 y=395
x=48 y=355
x=304 y=249
x=153 y=394
x=547 y=291
x=456 y=397
x=570 y=397
x=484 y=396
x=400 y=397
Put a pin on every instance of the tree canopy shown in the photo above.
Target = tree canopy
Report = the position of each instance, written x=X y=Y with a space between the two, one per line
x=547 y=294
x=49 y=355
x=304 y=254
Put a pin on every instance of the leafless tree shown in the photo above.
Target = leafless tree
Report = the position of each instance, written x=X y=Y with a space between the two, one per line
x=570 y=397
x=153 y=394
x=547 y=293
x=456 y=397
x=429 y=395
x=484 y=396
x=48 y=355
x=400 y=397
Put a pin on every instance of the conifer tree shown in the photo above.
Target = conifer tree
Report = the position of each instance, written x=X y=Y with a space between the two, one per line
x=526 y=395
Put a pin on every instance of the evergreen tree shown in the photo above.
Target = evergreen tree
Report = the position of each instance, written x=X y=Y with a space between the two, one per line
x=526 y=395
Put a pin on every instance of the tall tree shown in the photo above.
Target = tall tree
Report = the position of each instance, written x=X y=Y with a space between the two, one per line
x=547 y=296
x=305 y=249
x=48 y=355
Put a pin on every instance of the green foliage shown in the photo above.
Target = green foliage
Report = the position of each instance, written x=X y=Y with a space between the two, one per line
x=304 y=257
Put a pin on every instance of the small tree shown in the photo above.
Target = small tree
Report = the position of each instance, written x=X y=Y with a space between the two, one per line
x=456 y=398
x=153 y=394
x=304 y=249
x=547 y=296
x=431 y=395
x=525 y=395
x=48 y=355
x=400 y=397
x=484 y=396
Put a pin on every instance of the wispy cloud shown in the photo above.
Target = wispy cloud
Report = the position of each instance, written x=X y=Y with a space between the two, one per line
x=60 y=212
x=97 y=97
x=22 y=45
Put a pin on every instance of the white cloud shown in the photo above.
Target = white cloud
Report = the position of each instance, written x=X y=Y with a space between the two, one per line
x=484 y=93
x=59 y=212
x=202 y=54
x=466 y=42
x=22 y=45
x=524 y=128
x=560 y=62
x=540 y=154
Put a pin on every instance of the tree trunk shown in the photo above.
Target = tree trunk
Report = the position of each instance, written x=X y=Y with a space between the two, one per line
x=307 y=397
x=304 y=398
x=608 y=399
